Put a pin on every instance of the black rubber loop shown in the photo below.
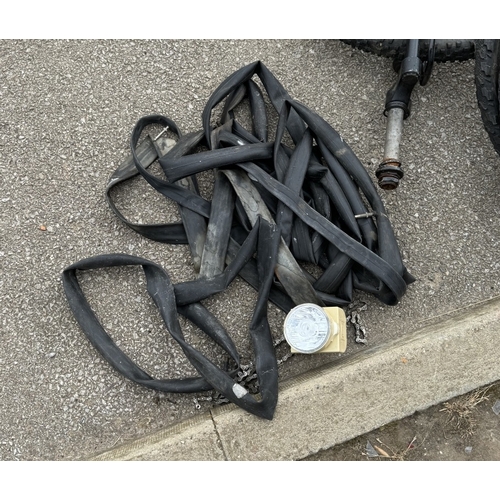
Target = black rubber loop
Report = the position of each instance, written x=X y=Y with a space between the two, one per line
x=265 y=239
x=161 y=290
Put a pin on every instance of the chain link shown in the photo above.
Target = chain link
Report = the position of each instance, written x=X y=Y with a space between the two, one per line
x=354 y=318
x=246 y=377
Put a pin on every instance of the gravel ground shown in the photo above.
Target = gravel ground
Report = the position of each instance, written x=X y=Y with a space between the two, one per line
x=67 y=110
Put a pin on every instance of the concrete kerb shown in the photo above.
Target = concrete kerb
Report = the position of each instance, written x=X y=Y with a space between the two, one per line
x=449 y=356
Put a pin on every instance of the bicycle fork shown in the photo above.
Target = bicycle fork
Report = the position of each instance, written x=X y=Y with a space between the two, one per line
x=398 y=108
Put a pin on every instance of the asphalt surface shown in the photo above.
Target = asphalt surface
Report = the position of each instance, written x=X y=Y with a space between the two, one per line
x=67 y=110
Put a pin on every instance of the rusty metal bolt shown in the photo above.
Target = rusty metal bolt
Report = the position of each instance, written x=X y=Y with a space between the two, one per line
x=389 y=173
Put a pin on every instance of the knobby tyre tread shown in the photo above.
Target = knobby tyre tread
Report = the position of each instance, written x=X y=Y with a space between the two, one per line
x=445 y=50
x=486 y=76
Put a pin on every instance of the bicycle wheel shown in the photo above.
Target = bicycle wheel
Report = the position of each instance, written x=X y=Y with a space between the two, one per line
x=445 y=50
x=486 y=74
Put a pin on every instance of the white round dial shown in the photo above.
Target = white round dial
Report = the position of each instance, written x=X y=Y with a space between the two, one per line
x=307 y=328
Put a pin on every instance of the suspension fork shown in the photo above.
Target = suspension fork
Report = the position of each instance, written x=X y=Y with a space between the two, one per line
x=398 y=109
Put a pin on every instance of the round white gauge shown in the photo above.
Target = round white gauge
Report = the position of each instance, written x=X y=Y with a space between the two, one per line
x=307 y=328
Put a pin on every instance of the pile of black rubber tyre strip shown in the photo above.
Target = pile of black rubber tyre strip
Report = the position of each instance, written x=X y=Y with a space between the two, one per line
x=274 y=205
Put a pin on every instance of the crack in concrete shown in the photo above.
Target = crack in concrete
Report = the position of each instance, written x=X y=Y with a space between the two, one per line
x=219 y=439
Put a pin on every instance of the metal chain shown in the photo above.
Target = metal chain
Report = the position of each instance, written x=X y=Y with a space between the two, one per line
x=246 y=377
x=354 y=317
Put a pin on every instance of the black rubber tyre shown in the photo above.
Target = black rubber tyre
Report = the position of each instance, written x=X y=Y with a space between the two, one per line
x=446 y=50
x=486 y=73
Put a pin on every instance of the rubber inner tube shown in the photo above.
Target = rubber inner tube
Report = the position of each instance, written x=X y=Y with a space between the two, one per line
x=302 y=198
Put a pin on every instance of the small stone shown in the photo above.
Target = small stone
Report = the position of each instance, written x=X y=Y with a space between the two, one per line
x=496 y=407
x=370 y=450
x=468 y=450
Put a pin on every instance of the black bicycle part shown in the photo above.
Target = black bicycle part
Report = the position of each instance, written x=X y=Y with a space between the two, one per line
x=389 y=172
x=487 y=66
x=399 y=95
x=428 y=63
x=445 y=50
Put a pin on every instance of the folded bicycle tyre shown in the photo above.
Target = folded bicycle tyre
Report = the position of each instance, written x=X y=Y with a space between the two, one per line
x=445 y=50
x=486 y=76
